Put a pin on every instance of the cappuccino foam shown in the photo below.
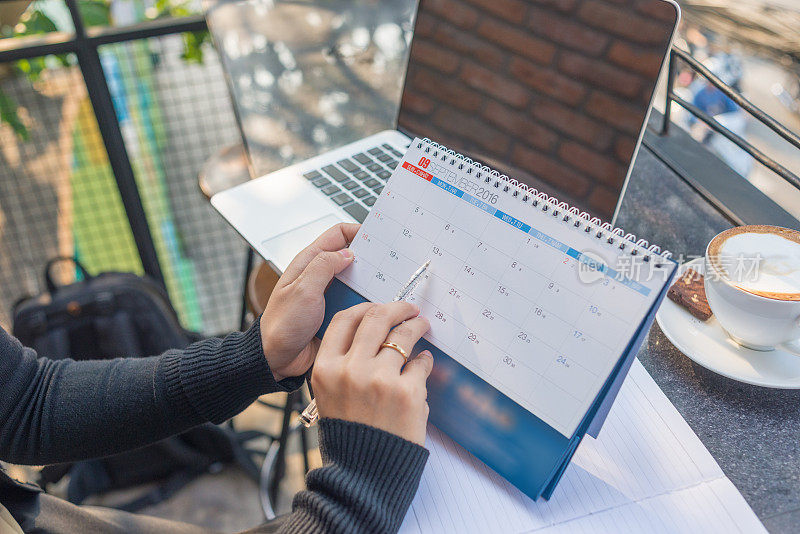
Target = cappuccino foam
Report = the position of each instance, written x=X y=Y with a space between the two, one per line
x=773 y=254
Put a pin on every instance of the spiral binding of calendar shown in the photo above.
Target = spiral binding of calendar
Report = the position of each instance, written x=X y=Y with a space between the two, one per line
x=580 y=219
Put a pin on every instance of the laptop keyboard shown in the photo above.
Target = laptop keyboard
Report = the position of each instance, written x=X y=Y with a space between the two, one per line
x=354 y=183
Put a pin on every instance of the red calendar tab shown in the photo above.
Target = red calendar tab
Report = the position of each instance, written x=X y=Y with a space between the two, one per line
x=416 y=170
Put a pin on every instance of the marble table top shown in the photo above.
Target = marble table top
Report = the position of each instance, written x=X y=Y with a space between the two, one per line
x=752 y=432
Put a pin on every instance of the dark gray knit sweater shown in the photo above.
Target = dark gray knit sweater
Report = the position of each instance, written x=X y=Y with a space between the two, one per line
x=59 y=411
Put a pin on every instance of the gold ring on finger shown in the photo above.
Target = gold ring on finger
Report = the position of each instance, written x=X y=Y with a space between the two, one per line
x=395 y=346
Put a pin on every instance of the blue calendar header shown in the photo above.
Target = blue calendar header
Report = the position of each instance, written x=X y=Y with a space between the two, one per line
x=541 y=236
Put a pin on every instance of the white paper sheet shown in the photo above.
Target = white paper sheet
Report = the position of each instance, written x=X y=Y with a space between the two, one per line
x=647 y=471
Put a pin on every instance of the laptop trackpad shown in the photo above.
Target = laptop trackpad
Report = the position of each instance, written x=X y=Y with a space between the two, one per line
x=282 y=248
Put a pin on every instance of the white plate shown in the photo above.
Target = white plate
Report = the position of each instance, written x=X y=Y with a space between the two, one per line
x=705 y=343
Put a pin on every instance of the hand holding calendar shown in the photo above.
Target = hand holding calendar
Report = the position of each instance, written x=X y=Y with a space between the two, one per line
x=294 y=311
x=541 y=302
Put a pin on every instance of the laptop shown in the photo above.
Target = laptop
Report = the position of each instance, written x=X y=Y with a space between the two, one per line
x=553 y=94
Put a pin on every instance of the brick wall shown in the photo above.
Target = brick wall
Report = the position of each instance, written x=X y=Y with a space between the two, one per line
x=552 y=92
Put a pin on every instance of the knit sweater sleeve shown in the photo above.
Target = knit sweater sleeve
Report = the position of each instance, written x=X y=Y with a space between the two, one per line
x=63 y=410
x=368 y=480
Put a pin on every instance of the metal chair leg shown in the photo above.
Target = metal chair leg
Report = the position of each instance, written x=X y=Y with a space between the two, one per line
x=280 y=460
x=304 y=445
x=300 y=404
x=247 y=268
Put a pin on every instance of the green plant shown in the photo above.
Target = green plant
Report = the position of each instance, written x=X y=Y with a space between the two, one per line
x=9 y=115
x=192 y=41
x=35 y=22
x=94 y=13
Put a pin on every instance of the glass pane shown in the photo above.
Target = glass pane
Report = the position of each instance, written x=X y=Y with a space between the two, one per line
x=57 y=193
x=175 y=113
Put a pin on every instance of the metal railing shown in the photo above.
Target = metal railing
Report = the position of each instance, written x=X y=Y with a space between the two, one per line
x=676 y=54
x=84 y=43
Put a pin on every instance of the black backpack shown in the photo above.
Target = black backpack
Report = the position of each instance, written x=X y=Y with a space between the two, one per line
x=100 y=317
x=122 y=315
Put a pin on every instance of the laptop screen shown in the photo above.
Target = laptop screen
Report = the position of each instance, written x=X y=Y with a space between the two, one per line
x=553 y=93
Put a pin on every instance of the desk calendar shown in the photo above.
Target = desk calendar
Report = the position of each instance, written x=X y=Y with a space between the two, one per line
x=536 y=309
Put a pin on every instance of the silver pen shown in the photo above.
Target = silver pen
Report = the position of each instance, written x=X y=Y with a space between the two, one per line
x=310 y=415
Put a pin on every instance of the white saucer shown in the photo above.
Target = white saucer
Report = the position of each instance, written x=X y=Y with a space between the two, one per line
x=705 y=343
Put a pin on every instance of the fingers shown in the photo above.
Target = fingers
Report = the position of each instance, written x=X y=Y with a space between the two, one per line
x=376 y=324
x=419 y=368
x=333 y=239
x=339 y=336
x=406 y=336
x=347 y=232
x=320 y=271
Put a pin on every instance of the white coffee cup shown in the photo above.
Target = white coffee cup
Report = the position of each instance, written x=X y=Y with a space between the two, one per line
x=761 y=312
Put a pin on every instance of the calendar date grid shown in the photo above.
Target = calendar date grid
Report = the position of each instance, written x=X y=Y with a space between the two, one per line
x=564 y=358
x=503 y=355
x=551 y=284
x=503 y=359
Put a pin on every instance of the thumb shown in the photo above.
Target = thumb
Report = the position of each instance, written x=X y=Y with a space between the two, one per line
x=420 y=367
x=321 y=270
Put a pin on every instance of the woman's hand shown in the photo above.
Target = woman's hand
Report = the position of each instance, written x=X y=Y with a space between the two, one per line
x=296 y=307
x=356 y=380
